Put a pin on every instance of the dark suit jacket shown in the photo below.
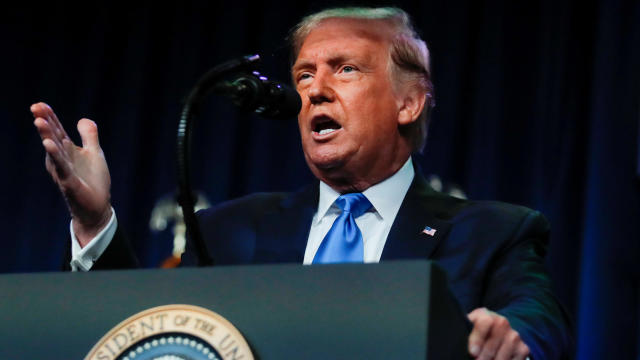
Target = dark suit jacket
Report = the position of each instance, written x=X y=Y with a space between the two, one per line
x=492 y=252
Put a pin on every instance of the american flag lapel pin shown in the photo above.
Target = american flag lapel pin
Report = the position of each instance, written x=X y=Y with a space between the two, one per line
x=429 y=231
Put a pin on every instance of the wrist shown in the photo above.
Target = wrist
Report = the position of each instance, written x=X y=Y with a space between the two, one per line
x=86 y=229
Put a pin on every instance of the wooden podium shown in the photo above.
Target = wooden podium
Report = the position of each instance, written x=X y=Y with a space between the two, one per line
x=392 y=310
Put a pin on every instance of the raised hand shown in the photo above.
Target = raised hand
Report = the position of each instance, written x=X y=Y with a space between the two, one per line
x=81 y=173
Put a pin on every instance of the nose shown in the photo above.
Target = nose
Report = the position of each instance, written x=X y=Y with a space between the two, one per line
x=320 y=90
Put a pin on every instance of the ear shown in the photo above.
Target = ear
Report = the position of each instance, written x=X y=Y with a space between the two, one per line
x=411 y=105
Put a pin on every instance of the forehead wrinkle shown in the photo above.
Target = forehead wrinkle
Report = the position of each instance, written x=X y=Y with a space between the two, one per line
x=335 y=55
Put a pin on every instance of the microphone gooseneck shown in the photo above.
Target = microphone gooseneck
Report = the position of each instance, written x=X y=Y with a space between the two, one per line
x=250 y=91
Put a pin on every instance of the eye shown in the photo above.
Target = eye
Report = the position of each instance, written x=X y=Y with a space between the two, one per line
x=304 y=76
x=348 y=69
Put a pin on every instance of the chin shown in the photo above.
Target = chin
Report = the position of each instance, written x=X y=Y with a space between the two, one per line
x=326 y=162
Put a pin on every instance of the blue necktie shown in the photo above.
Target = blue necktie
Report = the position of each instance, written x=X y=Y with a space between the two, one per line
x=343 y=242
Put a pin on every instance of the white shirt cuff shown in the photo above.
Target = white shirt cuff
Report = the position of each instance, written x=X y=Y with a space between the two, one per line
x=83 y=258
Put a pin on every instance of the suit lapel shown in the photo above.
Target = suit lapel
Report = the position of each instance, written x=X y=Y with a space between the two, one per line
x=283 y=233
x=406 y=238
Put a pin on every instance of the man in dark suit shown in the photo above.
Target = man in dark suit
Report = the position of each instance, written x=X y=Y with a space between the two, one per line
x=363 y=76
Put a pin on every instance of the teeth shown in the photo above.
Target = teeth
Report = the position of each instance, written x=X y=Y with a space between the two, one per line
x=326 y=131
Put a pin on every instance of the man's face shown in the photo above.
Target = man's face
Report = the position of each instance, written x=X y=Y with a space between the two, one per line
x=349 y=116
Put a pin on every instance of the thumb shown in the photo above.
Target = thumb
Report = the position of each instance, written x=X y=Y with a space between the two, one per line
x=88 y=133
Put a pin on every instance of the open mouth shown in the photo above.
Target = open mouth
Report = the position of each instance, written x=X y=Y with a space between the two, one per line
x=323 y=125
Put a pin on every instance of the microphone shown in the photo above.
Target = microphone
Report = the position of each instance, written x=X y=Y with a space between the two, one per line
x=254 y=92
x=248 y=90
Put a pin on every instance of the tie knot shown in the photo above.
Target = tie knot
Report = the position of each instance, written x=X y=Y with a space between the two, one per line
x=354 y=203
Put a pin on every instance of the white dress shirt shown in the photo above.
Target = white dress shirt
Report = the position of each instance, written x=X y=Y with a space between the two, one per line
x=386 y=198
x=375 y=224
x=83 y=258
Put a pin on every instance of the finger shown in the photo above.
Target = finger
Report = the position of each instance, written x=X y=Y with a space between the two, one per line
x=45 y=111
x=55 y=158
x=42 y=110
x=475 y=314
x=507 y=350
x=89 y=133
x=490 y=348
x=45 y=131
x=57 y=122
x=497 y=335
x=39 y=110
x=522 y=351
x=481 y=326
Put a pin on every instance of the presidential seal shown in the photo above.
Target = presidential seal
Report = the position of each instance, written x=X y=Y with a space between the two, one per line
x=172 y=332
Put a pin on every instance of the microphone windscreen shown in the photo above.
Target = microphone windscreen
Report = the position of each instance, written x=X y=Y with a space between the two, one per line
x=282 y=102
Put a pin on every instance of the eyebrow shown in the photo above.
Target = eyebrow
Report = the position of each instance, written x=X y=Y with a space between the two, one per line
x=303 y=64
x=333 y=61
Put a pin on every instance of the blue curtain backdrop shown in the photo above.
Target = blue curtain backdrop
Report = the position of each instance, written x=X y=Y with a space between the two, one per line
x=538 y=103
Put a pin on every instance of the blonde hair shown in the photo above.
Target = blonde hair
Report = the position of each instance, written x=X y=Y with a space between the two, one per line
x=408 y=52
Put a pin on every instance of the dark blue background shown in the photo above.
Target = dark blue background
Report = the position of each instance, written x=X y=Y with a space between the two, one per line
x=538 y=103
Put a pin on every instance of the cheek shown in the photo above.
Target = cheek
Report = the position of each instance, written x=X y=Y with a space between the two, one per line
x=376 y=116
x=305 y=136
x=374 y=98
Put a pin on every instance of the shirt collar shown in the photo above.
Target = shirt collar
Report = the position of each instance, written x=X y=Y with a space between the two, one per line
x=385 y=196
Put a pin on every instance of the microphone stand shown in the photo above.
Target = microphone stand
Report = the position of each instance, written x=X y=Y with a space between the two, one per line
x=191 y=107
